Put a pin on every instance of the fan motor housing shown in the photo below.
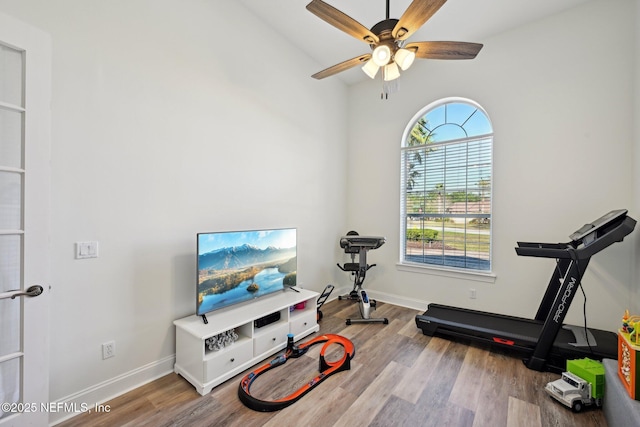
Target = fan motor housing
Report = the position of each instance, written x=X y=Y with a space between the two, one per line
x=384 y=26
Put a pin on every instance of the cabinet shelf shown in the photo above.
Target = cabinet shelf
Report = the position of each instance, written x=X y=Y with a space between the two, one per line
x=205 y=369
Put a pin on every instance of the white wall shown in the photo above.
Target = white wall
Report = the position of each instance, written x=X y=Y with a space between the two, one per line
x=172 y=118
x=560 y=96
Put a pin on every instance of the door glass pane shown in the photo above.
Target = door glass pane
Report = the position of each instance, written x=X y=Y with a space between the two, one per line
x=10 y=201
x=10 y=384
x=9 y=326
x=10 y=138
x=11 y=76
x=10 y=249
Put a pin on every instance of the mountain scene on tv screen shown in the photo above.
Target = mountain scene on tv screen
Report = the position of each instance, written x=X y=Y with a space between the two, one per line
x=247 y=266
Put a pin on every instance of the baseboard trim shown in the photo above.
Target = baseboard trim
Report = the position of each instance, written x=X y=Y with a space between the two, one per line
x=114 y=387
x=412 y=303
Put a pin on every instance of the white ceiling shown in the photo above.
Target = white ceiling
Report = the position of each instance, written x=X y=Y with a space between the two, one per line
x=457 y=20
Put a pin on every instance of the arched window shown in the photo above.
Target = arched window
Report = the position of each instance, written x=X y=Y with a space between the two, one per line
x=446 y=183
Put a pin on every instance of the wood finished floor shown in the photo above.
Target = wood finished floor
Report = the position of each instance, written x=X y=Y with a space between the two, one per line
x=398 y=377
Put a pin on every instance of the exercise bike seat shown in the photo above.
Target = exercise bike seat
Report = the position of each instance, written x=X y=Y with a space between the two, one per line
x=350 y=266
x=354 y=266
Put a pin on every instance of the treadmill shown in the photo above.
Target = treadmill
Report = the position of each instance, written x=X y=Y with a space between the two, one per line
x=545 y=342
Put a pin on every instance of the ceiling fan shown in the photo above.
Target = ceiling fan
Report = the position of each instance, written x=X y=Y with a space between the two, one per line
x=387 y=40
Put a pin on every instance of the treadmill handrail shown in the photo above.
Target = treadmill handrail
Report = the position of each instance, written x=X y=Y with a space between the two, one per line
x=545 y=250
x=543 y=245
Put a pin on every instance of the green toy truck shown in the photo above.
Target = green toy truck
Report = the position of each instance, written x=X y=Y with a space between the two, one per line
x=582 y=385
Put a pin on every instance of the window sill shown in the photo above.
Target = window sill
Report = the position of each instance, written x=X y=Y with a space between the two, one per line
x=475 y=275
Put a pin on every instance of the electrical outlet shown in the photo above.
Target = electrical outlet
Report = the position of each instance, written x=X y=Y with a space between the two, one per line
x=108 y=349
x=472 y=293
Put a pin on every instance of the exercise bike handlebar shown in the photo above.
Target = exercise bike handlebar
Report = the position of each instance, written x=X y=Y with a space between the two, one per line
x=355 y=243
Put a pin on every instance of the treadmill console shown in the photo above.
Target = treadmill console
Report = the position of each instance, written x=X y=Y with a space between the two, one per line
x=586 y=233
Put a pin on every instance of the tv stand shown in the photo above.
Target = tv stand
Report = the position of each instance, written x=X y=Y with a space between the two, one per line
x=206 y=369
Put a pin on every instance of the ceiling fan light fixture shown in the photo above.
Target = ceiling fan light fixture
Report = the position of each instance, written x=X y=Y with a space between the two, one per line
x=387 y=42
x=370 y=68
x=404 y=58
x=381 y=55
x=391 y=71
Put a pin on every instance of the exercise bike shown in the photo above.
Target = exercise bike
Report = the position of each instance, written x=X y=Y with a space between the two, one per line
x=356 y=245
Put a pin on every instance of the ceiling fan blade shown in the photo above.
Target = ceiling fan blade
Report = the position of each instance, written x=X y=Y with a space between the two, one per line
x=342 y=21
x=349 y=63
x=445 y=50
x=418 y=12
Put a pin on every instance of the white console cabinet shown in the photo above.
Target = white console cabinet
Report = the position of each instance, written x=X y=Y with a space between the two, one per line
x=205 y=368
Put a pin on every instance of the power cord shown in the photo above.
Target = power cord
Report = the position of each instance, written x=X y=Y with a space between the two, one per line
x=584 y=315
x=584 y=304
x=584 y=309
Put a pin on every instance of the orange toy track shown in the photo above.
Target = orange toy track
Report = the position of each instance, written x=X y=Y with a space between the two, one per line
x=326 y=369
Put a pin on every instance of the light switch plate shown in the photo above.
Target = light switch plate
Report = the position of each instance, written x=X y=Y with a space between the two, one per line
x=86 y=250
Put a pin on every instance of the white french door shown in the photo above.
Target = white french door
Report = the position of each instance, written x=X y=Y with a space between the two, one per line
x=25 y=88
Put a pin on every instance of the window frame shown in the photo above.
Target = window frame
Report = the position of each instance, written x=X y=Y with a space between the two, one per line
x=486 y=275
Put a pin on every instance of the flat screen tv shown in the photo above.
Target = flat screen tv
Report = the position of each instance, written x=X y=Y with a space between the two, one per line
x=238 y=266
